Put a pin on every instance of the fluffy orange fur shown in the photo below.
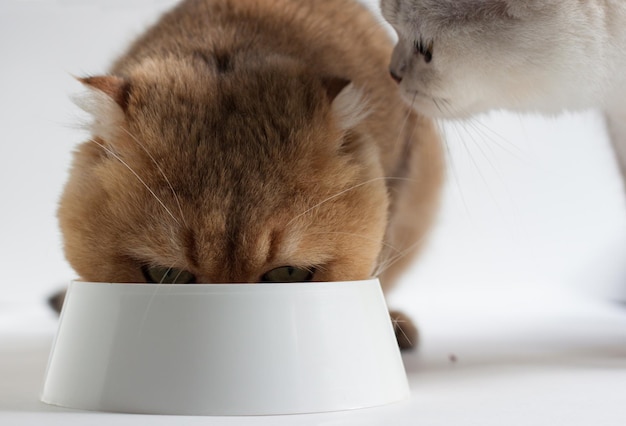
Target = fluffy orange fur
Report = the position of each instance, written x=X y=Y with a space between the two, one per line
x=227 y=141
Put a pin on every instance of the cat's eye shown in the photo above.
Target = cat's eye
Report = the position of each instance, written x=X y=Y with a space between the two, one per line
x=163 y=275
x=424 y=49
x=288 y=274
x=428 y=56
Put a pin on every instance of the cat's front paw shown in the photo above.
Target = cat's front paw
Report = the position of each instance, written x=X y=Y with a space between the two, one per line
x=55 y=301
x=406 y=332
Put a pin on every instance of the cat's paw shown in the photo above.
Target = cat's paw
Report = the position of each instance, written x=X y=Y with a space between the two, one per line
x=406 y=332
x=56 y=300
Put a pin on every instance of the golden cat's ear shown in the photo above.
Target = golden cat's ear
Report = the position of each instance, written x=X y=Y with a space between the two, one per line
x=334 y=86
x=347 y=102
x=107 y=102
x=114 y=87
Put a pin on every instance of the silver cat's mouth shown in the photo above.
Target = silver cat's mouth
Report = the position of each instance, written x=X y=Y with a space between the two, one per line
x=415 y=94
x=412 y=96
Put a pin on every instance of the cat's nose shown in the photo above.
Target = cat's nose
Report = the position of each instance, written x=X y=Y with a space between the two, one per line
x=395 y=76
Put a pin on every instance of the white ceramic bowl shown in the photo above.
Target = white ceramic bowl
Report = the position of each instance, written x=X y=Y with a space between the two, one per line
x=224 y=349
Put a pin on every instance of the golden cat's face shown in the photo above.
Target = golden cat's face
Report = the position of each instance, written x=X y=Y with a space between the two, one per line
x=196 y=175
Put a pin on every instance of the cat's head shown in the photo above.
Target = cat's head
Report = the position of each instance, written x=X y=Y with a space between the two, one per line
x=456 y=58
x=208 y=170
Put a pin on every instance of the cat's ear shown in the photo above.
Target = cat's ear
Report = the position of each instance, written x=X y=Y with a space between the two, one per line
x=107 y=102
x=116 y=88
x=334 y=86
x=347 y=102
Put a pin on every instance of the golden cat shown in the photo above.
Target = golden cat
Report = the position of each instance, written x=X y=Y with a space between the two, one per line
x=247 y=141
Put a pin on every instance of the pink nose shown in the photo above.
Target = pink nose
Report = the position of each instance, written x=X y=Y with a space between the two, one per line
x=395 y=77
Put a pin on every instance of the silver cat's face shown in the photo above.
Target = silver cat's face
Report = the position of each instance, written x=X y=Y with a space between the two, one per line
x=453 y=62
x=432 y=79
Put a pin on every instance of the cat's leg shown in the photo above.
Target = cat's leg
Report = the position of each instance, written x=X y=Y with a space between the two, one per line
x=56 y=300
x=616 y=124
x=415 y=199
x=406 y=332
x=414 y=204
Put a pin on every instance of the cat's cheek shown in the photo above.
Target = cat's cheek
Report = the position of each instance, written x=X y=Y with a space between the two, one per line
x=355 y=263
x=339 y=273
x=421 y=104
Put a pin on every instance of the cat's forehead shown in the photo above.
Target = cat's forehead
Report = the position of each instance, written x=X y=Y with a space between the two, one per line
x=217 y=78
x=407 y=15
x=449 y=19
x=184 y=104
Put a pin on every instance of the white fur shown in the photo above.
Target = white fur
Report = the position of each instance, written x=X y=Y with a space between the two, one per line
x=541 y=56
x=349 y=107
x=107 y=115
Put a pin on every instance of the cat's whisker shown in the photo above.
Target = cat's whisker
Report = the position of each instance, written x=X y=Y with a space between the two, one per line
x=495 y=137
x=499 y=140
x=466 y=133
x=396 y=326
x=180 y=271
x=405 y=121
x=144 y=317
x=157 y=288
x=340 y=193
x=383 y=266
x=479 y=145
x=480 y=128
x=453 y=169
x=475 y=163
x=477 y=142
x=445 y=107
x=387 y=258
x=413 y=101
x=134 y=138
x=118 y=158
x=470 y=127
x=437 y=105
x=166 y=273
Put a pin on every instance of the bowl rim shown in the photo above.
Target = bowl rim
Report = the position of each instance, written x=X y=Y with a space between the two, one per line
x=312 y=284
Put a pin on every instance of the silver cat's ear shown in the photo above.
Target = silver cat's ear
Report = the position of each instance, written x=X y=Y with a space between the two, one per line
x=347 y=102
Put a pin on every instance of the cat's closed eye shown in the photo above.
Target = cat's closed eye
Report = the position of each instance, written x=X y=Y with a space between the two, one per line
x=425 y=49
x=163 y=275
x=288 y=274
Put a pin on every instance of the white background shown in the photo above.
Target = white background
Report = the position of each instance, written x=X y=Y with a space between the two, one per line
x=527 y=256
x=528 y=200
